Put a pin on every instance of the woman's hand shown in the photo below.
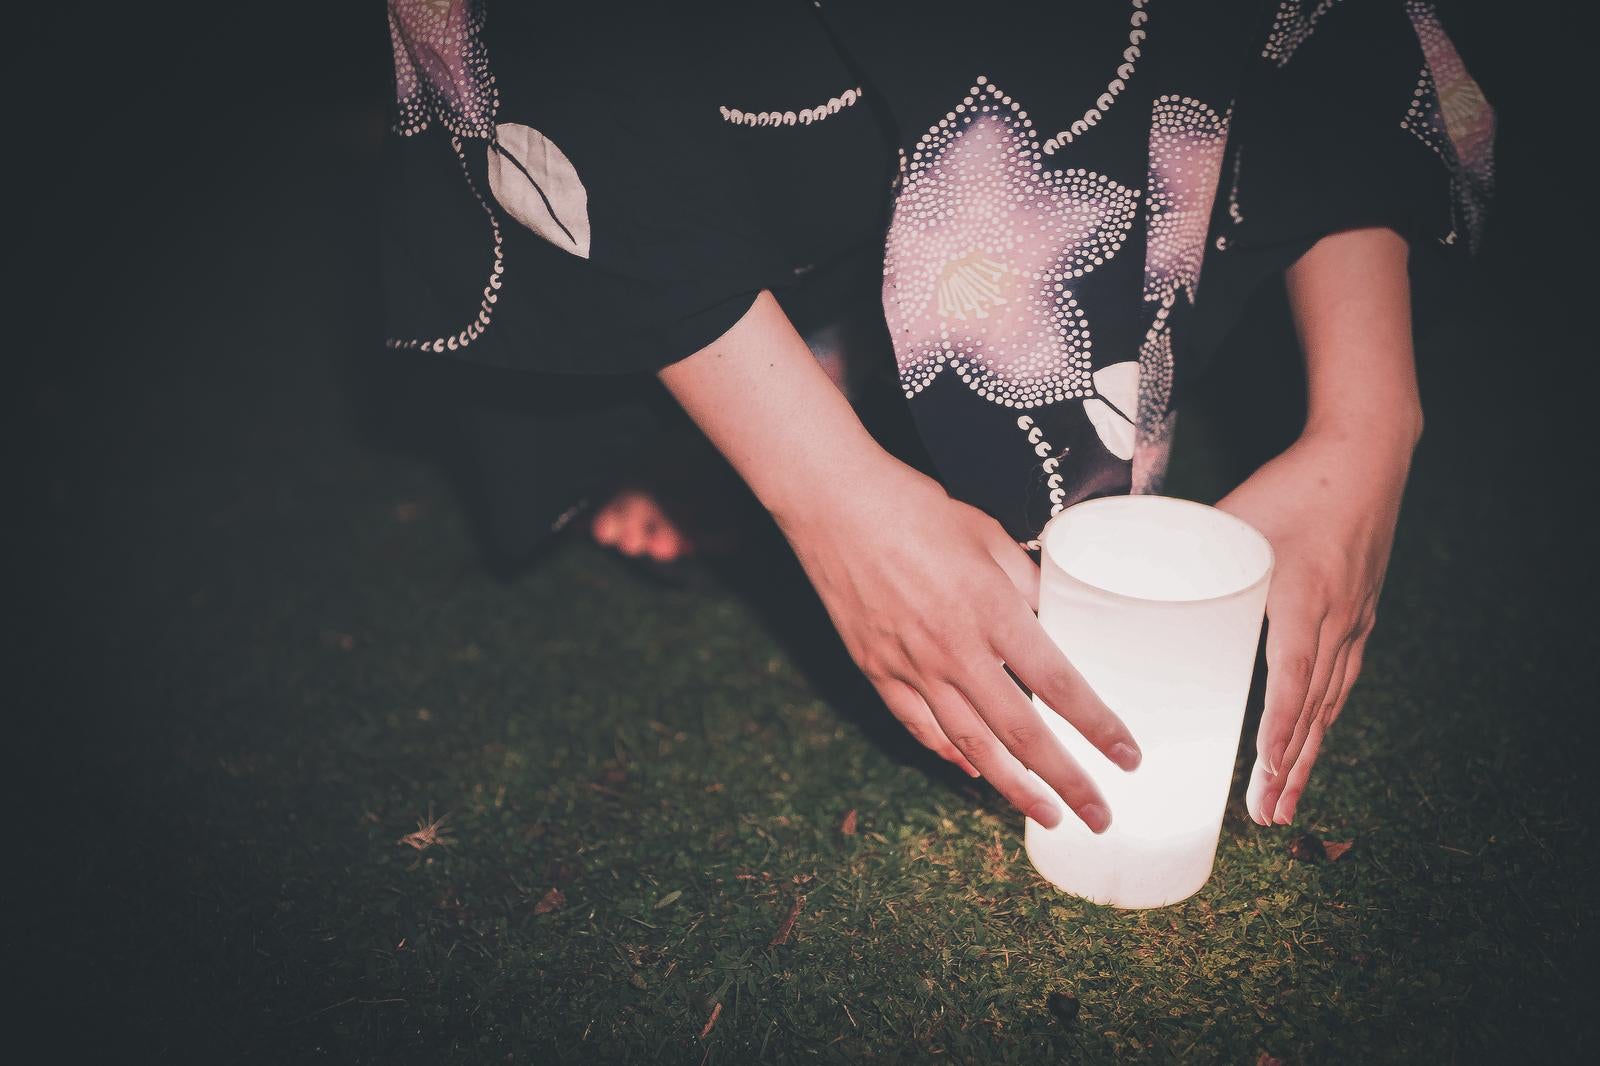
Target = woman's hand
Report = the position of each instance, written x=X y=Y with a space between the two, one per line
x=933 y=600
x=1328 y=505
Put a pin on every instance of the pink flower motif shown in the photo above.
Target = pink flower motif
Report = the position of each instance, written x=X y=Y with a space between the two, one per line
x=1187 y=139
x=441 y=68
x=1449 y=114
x=982 y=252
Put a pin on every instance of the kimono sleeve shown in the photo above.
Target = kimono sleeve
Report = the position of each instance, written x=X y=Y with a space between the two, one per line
x=1351 y=113
x=572 y=189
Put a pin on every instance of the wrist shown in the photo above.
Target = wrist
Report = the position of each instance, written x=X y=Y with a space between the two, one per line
x=827 y=486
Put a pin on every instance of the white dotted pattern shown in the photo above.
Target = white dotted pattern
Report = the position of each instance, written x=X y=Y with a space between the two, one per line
x=441 y=68
x=491 y=290
x=983 y=248
x=1118 y=82
x=1235 y=212
x=803 y=117
x=1449 y=114
x=1291 y=25
x=1187 y=141
x=1050 y=464
x=1155 y=419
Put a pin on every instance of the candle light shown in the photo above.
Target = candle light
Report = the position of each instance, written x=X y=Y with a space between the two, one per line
x=1158 y=602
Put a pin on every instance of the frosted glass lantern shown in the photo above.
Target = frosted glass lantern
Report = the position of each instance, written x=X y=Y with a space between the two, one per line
x=1158 y=602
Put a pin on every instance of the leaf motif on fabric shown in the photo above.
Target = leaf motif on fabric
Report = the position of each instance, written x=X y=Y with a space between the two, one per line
x=1110 y=412
x=539 y=187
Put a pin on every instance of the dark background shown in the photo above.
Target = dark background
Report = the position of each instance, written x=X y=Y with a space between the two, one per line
x=168 y=167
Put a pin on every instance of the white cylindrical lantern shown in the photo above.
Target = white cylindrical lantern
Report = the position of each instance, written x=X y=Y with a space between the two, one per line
x=1158 y=602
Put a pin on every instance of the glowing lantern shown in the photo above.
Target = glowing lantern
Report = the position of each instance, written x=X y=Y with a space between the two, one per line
x=1158 y=602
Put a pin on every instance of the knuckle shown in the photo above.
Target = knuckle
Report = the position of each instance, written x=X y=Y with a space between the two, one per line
x=1059 y=689
x=1023 y=738
x=973 y=745
x=993 y=602
x=1343 y=619
x=938 y=639
x=1302 y=665
x=884 y=671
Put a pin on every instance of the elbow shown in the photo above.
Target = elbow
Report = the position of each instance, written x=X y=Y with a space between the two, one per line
x=1413 y=425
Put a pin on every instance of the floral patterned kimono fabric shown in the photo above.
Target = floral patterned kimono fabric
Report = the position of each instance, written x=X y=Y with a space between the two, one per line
x=1071 y=201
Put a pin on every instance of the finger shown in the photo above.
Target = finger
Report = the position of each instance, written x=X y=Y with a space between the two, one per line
x=636 y=527
x=1045 y=669
x=973 y=737
x=1018 y=565
x=1017 y=723
x=1295 y=784
x=1255 y=796
x=911 y=709
x=1291 y=664
x=1352 y=672
x=1301 y=754
x=664 y=545
x=1316 y=711
x=1279 y=792
x=605 y=527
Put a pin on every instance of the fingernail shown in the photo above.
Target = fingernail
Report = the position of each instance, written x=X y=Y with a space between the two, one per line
x=1096 y=817
x=1126 y=755
x=1284 y=819
x=1046 y=812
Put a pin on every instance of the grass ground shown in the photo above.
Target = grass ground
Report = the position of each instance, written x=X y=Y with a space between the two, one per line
x=265 y=650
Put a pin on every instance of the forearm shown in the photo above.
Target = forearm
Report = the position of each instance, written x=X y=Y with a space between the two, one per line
x=761 y=398
x=1330 y=502
x=1350 y=295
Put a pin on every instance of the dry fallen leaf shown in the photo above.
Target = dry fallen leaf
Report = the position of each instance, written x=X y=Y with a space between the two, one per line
x=429 y=831
x=848 y=826
x=1307 y=847
x=1064 y=1007
x=553 y=900
x=782 y=935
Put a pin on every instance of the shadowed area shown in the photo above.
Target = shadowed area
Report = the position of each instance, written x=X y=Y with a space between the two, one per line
x=307 y=781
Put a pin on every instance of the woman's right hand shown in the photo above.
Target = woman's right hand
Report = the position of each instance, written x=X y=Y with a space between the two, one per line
x=931 y=597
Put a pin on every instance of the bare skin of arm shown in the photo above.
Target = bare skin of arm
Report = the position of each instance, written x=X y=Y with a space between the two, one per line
x=1329 y=504
x=930 y=595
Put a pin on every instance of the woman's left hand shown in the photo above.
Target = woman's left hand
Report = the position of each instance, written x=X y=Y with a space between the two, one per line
x=1328 y=505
